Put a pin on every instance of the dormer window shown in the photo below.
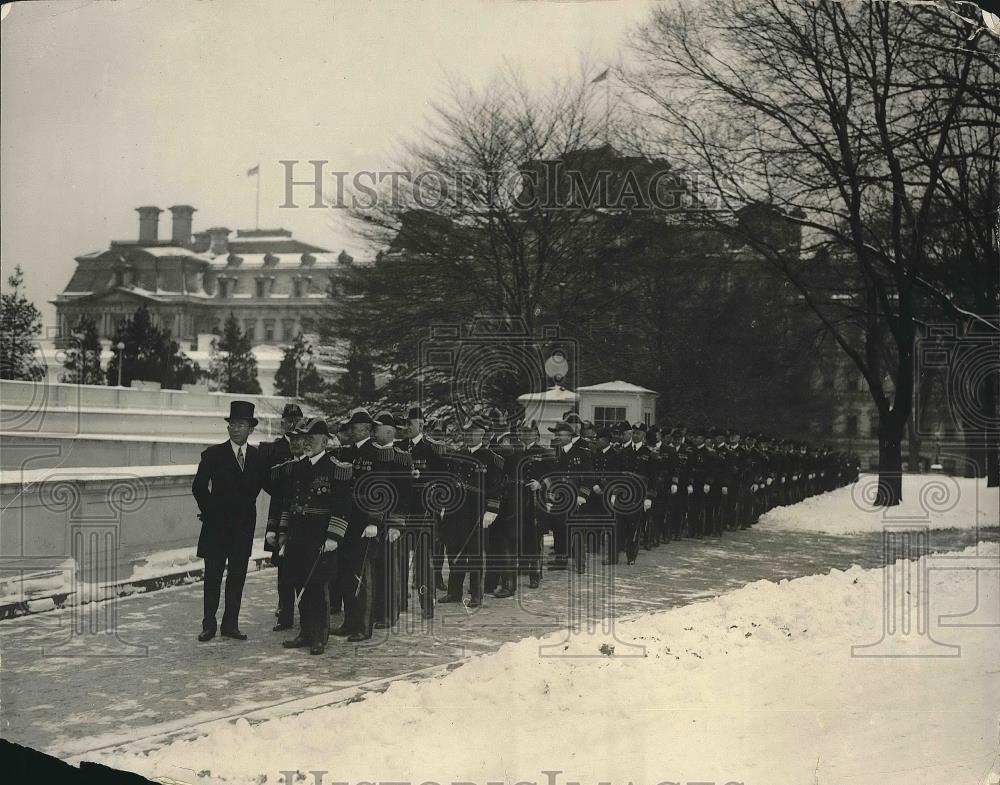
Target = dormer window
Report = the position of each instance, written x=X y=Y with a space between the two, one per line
x=270 y=260
x=308 y=260
x=233 y=260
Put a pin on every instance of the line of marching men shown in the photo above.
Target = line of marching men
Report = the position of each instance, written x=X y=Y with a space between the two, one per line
x=349 y=510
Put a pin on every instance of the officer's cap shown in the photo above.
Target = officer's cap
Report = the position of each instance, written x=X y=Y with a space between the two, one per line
x=386 y=418
x=312 y=426
x=291 y=410
x=561 y=427
x=360 y=416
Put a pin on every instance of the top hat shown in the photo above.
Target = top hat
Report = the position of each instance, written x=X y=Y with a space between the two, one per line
x=291 y=410
x=241 y=410
x=360 y=416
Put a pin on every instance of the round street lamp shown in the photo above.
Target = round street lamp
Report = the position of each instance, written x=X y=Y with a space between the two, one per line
x=121 y=360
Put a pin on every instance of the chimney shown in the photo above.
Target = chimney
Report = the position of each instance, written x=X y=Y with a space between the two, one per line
x=219 y=240
x=181 y=227
x=149 y=224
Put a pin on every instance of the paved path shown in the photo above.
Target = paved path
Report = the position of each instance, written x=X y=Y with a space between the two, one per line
x=155 y=678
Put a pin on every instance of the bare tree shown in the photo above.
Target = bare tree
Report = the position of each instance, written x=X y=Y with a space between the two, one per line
x=839 y=115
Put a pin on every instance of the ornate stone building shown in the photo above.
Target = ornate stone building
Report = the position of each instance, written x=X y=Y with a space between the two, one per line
x=275 y=285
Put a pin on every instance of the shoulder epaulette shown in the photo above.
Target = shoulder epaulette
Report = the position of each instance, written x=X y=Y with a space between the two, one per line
x=342 y=471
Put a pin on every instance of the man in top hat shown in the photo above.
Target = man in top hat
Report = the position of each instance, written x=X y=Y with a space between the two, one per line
x=423 y=522
x=393 y=472
x=313 y=524
x=229 y=478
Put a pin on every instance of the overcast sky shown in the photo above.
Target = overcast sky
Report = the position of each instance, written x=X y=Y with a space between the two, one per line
x=110 y=105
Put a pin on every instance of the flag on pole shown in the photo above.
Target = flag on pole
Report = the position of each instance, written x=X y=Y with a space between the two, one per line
x=600 y=77
x=253 y=170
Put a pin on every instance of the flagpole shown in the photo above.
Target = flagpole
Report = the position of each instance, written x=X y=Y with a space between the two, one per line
x=256 y=222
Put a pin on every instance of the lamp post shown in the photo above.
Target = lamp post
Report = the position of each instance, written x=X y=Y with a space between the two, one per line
x=121 y=360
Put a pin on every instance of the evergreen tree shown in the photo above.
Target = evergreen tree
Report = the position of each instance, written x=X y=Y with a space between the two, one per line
x=20 y=322
x=233 y=366
x=83 y=359
x=150 y=355
x=297 y=376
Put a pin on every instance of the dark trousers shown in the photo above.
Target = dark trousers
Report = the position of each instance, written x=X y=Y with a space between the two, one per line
x=420 y=538
x=466 y=558
x=286 y=595
x=559 y=543
x=629 y=529
x=696 y=514
x=314 y=613
x=355 y=565
x=529 y=545
x=234 y=564
x=385 y=576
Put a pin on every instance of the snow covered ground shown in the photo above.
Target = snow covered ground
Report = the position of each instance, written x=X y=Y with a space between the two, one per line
x=762 y=686
x=934 y=500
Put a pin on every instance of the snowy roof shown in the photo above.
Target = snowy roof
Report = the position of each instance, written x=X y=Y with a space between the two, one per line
x=556 y=393
x=616 y=386
x=277 y=261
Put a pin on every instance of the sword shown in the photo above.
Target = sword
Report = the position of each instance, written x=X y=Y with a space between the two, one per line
x=298 y=594
x=364 y=558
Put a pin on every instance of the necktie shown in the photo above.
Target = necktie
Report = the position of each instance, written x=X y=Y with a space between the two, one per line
x=239 y=457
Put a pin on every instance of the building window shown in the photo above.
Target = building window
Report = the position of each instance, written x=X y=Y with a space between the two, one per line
x=297 y=287
x=873 y=426
x=851 y=425
x=269 y=330
x=287 y=329
x=250 y=327
x=606 y=416
x=261 y=287
x=223 y=288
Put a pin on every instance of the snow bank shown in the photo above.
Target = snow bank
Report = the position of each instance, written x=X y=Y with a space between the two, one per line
x=759 y=686
x=933 y=500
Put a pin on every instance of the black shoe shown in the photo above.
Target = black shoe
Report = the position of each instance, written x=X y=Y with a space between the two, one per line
x=206 y=635
x=533 y=582
x=450 y=598
x=381 y=625
x=503 y=592
x=280 y=627
x=341 y=631
x=295 y=643
x=475 y=602
x=236 y=635
x=441 y=586
x=426 y=614
x=317 y=648
x=355 y=637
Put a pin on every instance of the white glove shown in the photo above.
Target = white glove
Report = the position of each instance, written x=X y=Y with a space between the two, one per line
x=768 y=481
x=690 y=489
x=580 y=501
x=534 y=485
x=393 y=535
x=753 y=488
x=370 y=531
x=281 y=550
x=646 y=504
x=782 y=479
x=613 y=497
x=329 y=545
x=271 y=537
x=596 y=489
x=725 y=491
x=707 y=488
x=488 y=518
x=673 y=489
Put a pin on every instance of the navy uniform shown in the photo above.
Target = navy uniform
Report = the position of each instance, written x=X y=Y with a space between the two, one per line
x=422 y=525
x=637 y=463
x=607 y=467
x=357 y=552
x=279 y=480
x=314 y=514
x=476 y=476
x=573 y=475
x=391 y=472
x=537 y=462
